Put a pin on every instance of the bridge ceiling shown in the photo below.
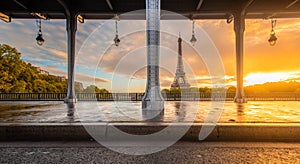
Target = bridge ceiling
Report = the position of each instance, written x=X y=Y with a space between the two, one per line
x=195 y=9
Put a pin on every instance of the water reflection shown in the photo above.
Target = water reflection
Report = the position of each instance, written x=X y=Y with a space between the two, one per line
x=258 y=111
x=180 y=110
x=240 y=107
x=153 y=115
x=70 y=114
x=240 y=111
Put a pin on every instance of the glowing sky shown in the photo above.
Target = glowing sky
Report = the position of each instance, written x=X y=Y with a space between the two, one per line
x=123 y=68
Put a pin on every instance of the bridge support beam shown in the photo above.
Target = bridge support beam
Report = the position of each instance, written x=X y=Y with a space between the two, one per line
x=153 y=99
x=71 y=32
x=239 y=28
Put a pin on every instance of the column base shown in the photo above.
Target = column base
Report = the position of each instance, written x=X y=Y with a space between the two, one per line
x=240 y=100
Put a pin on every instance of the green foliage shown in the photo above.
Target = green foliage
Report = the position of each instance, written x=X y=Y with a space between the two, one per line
x=175 y=90
x=231 y=89
x=94 y=89
x=165 y=91
x=18 y=76
x=205 y=90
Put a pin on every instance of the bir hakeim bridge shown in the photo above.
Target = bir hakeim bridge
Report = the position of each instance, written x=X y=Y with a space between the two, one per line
x=79 y=10
x=143 y=138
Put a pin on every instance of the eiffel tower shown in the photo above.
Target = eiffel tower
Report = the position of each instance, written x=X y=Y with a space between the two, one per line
x=180 y=79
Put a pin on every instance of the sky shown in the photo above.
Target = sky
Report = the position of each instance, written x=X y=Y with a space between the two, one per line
x=123 y=68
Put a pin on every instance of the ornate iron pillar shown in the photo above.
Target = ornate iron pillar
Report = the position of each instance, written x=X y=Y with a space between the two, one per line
x=71 y=32
x=153 y=99
x=239 y=28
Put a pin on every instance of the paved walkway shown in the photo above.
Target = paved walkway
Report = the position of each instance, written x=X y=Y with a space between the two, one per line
x=182 y=152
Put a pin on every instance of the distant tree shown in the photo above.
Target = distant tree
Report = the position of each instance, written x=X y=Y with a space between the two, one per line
x=94 y=89
x=18 y=76
x=19 y=86
x=62 y=86
x=103 y=91
x=5 y=81
x=10 y=68
x=165 y=91
x=231 y=89
x=175 y=90
x=39 y=85
x=51 y=88
x=205 y=90
x=91 y=89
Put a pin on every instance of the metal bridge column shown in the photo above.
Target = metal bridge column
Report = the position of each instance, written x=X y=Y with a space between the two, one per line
x=153 y=99
x=71 y=30
x=239 y=28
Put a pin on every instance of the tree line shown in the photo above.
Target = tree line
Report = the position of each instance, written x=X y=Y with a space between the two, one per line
x=269 y=87
x=18 y=76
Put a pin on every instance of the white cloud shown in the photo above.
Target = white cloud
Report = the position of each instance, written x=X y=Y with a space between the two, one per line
x=78 y=76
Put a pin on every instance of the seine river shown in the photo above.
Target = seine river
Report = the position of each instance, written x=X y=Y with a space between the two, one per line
x=251 y=112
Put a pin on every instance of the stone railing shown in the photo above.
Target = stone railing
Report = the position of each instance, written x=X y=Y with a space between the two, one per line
x=188 y=96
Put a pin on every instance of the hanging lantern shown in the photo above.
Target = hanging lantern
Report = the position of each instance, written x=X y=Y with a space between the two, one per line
x=39 y=39
x=193 y=39
x=116 y=39
x=272 y=40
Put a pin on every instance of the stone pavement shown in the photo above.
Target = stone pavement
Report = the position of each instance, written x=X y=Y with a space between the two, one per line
x=181 y=152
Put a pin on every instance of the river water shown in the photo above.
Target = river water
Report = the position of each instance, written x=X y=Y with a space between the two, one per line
x=189 y=111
